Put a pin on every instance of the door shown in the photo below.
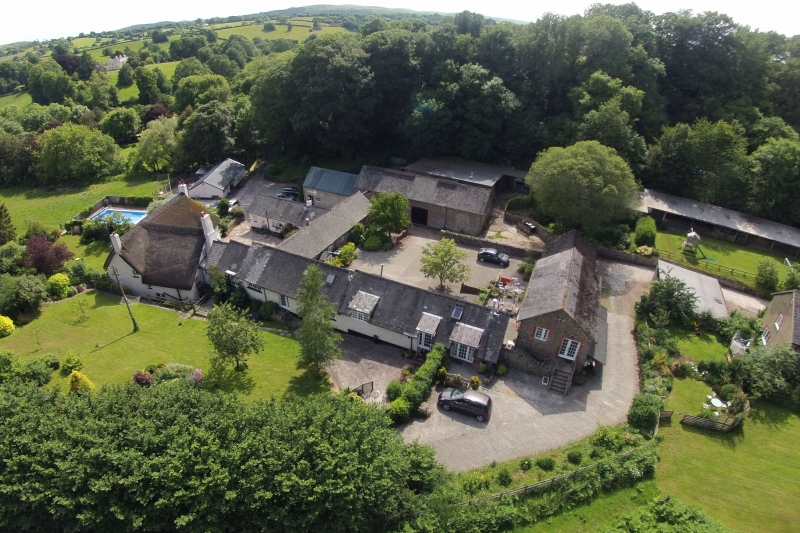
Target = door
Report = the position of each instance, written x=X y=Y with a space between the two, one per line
x=419 y=216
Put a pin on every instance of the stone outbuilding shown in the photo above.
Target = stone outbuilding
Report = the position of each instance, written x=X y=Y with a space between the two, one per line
x=327 y=188
x=782 y=320
x=267 y=213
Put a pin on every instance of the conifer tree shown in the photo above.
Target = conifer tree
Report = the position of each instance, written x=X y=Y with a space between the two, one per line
x=7 y=230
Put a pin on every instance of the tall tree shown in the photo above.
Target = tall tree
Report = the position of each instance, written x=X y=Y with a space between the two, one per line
x=48 y=83
x=319 y=342
x=233 y=335
x=45 y=256
x=7 y=230
x=389 y=212
x=197 y=90
x=158 y=144
x=186 y=68
x=776 y=180
x=71 y=153
x=147 y=83
x=121 y=124
x=444 y=260
x=586 y=185
x=208 y=134
x=86 y=66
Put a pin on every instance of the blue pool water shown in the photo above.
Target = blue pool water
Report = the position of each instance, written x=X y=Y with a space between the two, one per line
x=133 y=216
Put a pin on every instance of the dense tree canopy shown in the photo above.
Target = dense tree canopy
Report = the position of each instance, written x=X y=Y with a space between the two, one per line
x=71 y=153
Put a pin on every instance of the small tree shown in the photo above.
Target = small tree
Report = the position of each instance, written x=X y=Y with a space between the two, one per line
x=220 y=285
x=645 y=232
x=347 y=254
x=7 y=230
x=223 y=207
x=767 y=275
x=58 y=286
x=6 y=326
x=792 y=279
x=443 y=260
x=389 y=213
x=269 y=27
x=233 y=335
x=671 y=295
x=319 y=342
x=45 y=256
x=79 y=383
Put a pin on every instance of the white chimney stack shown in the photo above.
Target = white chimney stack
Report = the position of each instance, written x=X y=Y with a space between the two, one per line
x=183 y=189
x=116 y=243
x=208 y=229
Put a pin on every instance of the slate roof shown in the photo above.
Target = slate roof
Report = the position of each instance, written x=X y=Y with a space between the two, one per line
x=166 y=246
x=331 y=181
x=467 y=171
x=565 y=278
x=466 y=335
x=425 y=189
x=707 y=288
x=796 y=314
x=719 y=216
x=223 y=174
x=284 y=210
x=273 y=269
x=428 y=323
x=599 y=350
x=401 y=307
x=364 y=302
x=312 y=241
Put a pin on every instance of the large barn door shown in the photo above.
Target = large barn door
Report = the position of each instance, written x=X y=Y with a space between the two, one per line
x=419 y=216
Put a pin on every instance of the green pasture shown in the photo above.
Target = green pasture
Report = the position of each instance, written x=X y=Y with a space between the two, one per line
x=133 y=91
x=20 y=99
x=746 y=479
x=111 y=352
x=299 y=32
x=84 y=42
x=97 y=53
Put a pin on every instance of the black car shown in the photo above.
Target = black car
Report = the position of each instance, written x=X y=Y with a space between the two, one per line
x=468 y=401
x=493 y=256
x=292 y=190
x=288 y=196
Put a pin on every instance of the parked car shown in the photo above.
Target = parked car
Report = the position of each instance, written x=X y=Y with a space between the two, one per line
x=493 y=256
x=292 y=190
x=468 y=401
x=288 y=196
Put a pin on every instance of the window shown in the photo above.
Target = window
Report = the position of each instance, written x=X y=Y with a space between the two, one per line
x=765 y=336
x=358 y=315
x=254 y=287
x=541 y=334
x=135 y=274
x=457 y=312
x=424 y=340
x=462 y=351
x=779 y=322
x=569 y=349
x=284 y=301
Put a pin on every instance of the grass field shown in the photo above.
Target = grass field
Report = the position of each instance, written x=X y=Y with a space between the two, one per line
x=97 y=53
x=746 y=479
x=20 y=99
x=94 y=254
x=111 y=352
x=54 y=207
x=133 y=91
x=703 y=347
x=298 y=33
x=84 y=42
x=726 y=254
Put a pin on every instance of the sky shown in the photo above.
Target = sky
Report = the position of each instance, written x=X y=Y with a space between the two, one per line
x=48 y=19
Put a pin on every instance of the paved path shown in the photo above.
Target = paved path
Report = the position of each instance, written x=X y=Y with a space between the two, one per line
x=748 y=304
x=527 y=418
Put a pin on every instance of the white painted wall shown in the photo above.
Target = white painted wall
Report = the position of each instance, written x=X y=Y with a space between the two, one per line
x=204 y=190
x=272 y=224
x=322 y=198
x=345 y=322
x=134 y=286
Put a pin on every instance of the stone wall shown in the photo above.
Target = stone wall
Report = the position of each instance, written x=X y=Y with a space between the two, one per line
x=518 y=220
x=560 y=326
x=516 y=252
x=624 y=257
x=519 y=360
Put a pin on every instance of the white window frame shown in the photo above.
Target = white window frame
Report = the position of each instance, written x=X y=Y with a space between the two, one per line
x=135 y=273
x=462 y=352
x=424 y=340
x=541 y=334
x=361 y=317
x=779 y=322
x=253 y=287
x=569 y=346
x=765 y=336
x=284 y=301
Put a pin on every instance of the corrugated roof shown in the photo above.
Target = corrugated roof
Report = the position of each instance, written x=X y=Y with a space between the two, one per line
x=331 y=181
x=707 y=289
x=467 y=171
x=312 y=241
x=425 y=189
x=719 y=216
x=285 y=210
x=223 y=174
x=565 y=278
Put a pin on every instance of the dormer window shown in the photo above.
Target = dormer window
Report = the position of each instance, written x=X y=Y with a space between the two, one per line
x=361 y=317
x=426 y=330
x=362 y=305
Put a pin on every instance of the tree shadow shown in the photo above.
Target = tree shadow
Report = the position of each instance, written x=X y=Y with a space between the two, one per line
x=308 y=383
x=771 y=417
x=728 y=440
x=226 y=378
x=104 y=299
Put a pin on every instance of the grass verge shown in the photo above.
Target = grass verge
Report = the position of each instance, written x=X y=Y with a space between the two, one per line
x=703 y=347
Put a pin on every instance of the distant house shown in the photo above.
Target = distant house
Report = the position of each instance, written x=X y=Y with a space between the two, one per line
x=368 y=305
x=159 y=257
x=436 y=202
x=276 y=214
x=561 y=322
x=114 y=64
x=217 y=182
x=330 y=231
x=326 y=188
x=782 y=320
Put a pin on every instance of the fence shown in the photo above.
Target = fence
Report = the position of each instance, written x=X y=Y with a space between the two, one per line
x=729 y=424
x=553 y=480
x=708 y=265
x=365 y=389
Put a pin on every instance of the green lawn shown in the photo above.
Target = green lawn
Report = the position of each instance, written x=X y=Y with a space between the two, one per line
x=94 y=254
x=84 y=42
x=97 y=53
x=746 y=479
x=54 y=207
x=111 y=352
x=726 y=254
x=298 y=33
x=703 y=347
x=20 y=99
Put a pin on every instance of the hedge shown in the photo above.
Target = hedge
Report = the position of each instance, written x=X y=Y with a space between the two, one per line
x=645 y=232
x=518 y=202
x=419 y=388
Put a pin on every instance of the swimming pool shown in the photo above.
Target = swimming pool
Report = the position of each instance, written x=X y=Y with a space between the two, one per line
x=133 y=216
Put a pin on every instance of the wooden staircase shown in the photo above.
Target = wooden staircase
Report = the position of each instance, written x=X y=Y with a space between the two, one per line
x=562 y=377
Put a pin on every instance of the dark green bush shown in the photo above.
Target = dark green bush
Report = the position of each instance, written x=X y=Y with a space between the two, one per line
x=51 y=360
x=372 y=243
x=223 y=207
x=518 y=203
x=71 y=361
x=767 y=275
x=645 y=233
x=607 y=439
x=726 y=392
x=644 y=412
x=715 y=372
x=357 y=233
x=525 y=464
x=37 y=372
x=399 y=410
x=526 y=269
x=575 y=457
x=266 y=309
x=548 y=464
x=501 y=370
x=504 y=477
x=239 y=298
x=223 y=228
x=394 y=390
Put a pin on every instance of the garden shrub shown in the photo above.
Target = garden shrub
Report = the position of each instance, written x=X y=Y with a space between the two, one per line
x=86 y=211
x=394 y=390
x=399 y=410
x=525 y=464
x=518 y=203
x=79 y=383
x=100 y=229
x=607 y=439
x=708 y=414
x=58 y=286
x=347 y=254
x=504 y=477
x=575 y=457
x=240 y=299
x=726 y=392
x=482 y=368
x=645 y=232
x=267 y=309
x=71 y=362
x=237 y=213
x=475 y=484
x=356 y=233
x=441 y=374
x=715 y=372
x=767 y=275
x=645 y=251
x=387 y=246
x=501 y=370
x=372 y=243
x=739 y=402
x=143 y=379
x=51 y=360
x=223 y=207
x=6 y=326
x=418 y=390
x=548 y=464
x=526 y=269
x=37 y=372
x=644 y=412
x=474 y=383
x=727 y=327
x=8 y=365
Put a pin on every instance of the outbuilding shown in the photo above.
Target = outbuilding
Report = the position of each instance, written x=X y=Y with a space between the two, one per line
x=217 y=182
